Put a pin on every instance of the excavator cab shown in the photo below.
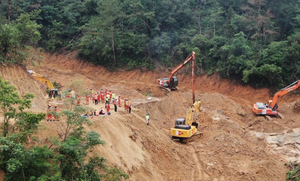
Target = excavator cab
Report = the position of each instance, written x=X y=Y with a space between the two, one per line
x=180 y=123
x=164 y=82
x=53 y=92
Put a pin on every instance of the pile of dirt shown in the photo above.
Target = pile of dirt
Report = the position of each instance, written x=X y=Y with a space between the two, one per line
x=297 y=106
x=231 y=148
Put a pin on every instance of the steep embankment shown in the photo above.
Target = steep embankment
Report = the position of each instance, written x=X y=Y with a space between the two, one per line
x=21 y=79
x=234 y=145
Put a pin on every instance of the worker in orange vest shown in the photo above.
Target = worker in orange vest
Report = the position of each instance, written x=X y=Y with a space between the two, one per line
x=126 y=104
x=49 y=117
x=119 y=101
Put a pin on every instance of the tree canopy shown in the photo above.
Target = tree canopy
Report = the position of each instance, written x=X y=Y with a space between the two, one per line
x=256 y=42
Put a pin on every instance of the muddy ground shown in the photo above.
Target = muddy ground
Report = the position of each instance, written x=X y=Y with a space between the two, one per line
x=235 y=144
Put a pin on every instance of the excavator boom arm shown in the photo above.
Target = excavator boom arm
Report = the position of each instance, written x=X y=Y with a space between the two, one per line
x=195 y=108
x=190 y=57
x=284 y=91
x=41 y=78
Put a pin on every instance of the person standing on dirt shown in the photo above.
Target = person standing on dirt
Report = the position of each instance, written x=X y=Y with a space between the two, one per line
x=110 y=95
x=119 y=101
x=129 y=107
x=96 y=99
x=49 y=117
x=78 y=100
x=126 y=104
x=87 y=100
x=147 y=118
x=55 y=116
x=105 y=93
x=115 y=104
x=113 y=96
x=102 y=95
x=108 y=108
x=106 y=100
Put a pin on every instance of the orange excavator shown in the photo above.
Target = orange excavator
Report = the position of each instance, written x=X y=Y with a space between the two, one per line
x=172 y=81
x=270 y=109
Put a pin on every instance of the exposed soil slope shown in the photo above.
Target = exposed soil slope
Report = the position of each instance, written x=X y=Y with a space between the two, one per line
x=19 y=77
x=234 y=144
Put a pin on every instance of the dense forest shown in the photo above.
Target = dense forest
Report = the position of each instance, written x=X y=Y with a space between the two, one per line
x=254 y=41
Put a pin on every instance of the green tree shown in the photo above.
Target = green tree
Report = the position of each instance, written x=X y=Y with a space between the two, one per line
x=11 y=104
x=16 y=37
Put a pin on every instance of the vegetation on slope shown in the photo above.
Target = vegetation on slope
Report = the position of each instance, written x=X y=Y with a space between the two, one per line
x=66 y=158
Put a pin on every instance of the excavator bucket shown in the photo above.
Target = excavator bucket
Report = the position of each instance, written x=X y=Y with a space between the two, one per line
x=197 y=105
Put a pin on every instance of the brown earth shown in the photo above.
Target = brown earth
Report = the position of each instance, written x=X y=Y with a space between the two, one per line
x=234 y=143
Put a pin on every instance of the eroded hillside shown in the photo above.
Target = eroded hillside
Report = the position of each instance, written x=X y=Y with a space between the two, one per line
x=235 y=145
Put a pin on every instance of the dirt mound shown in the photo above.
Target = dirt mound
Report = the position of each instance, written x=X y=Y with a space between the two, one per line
x=297 y=106
x=231 y=148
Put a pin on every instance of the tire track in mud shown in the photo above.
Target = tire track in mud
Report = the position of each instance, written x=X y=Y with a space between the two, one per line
x=198 y=172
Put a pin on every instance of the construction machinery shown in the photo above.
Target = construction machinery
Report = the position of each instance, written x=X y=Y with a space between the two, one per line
x=41 y=78
x=185 y=128
x=172 y=81
x=270 y=108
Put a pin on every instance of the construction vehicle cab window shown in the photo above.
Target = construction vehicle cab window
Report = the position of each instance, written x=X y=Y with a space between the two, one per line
x=171 y=82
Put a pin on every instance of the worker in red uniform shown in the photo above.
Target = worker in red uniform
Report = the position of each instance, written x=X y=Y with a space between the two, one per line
x=107 y=108
x=105 y=93
x=55 y=116
x=110 y=95
x=119 y=101
x=126 y=104
x=102 y=95
x=78 y=100
x=87 y=100
x=49 y=117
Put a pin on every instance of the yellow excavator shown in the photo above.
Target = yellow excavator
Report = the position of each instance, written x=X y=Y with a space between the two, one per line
x=186 y=127
x=52 y=91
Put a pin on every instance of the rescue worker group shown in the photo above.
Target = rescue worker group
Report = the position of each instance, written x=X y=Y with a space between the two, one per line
x=107 y=97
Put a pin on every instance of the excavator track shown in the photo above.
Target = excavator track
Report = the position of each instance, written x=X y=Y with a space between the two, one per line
x=187 y=140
